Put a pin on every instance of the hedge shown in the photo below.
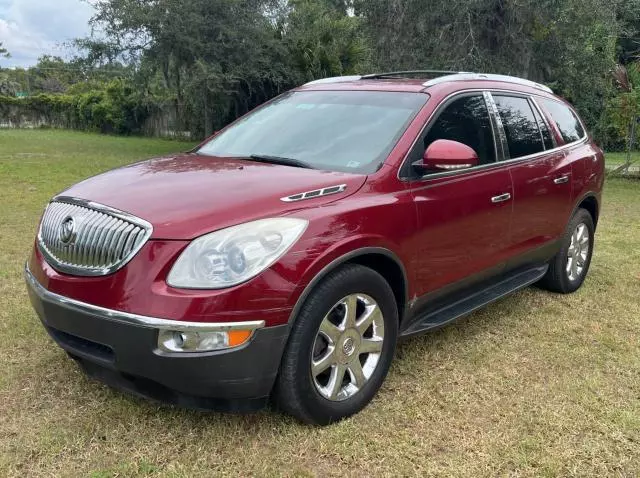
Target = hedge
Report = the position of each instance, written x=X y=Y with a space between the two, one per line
x=115 y=109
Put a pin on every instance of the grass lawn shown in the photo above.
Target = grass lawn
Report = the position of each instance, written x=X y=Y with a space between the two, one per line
x=537 y=384
x=616 y=159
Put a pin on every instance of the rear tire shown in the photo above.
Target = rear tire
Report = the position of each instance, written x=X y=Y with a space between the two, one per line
x=335 y=361
x=569 y=267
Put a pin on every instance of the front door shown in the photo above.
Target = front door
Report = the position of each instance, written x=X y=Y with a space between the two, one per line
x=463 y=216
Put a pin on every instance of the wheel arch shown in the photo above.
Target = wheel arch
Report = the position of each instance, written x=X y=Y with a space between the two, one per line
x=380 y=259
x=589 y=202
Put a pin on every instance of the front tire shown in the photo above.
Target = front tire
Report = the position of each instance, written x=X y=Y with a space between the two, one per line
x=340 y=347
x=569 y=267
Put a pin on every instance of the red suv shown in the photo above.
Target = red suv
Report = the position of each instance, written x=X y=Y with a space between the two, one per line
x=285 y=256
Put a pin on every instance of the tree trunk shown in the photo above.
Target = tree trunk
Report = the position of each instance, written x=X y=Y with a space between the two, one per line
x=208 y=118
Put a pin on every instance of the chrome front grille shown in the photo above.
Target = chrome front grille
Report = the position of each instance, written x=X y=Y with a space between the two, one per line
x=85 y=238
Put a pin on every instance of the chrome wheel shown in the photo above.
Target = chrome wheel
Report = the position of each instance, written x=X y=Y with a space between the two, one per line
x=347 y=347
x=578 y=252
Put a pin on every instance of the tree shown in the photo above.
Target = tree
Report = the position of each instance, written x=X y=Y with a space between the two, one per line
x=4 y=52
x=8 y=85
x=324 y=41
x=217 y=59
x=208 y=61
x=623 y=110
x=567 y=44
x=628 y=41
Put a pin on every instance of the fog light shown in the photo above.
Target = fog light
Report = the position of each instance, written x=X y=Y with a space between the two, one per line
x=192 y=341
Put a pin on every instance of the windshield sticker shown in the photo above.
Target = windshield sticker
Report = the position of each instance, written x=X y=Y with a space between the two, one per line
x=353 y=164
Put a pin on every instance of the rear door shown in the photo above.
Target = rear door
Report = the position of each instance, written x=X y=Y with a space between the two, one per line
x=464 y=215
x=579 y=152
x=541 y=178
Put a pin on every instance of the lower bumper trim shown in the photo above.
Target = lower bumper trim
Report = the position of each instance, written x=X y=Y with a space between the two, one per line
x=156 y=392
x=125 y=354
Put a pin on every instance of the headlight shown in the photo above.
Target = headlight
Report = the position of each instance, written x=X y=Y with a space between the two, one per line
x=234 y=255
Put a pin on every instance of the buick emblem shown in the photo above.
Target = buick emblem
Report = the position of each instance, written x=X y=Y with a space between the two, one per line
x=67 y=232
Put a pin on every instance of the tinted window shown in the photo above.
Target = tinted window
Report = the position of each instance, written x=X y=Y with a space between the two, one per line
x=334 y=130
x=546 y=134
x=569 y=126
x=520 y=126
x=465 y=120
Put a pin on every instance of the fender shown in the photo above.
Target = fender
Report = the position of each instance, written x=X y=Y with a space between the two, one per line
x=576 y=205
x=335 y=263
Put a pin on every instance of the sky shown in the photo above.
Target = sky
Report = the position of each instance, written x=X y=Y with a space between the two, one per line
x=31 y=28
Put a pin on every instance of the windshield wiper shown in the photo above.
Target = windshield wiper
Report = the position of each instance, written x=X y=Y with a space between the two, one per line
x=265 y=158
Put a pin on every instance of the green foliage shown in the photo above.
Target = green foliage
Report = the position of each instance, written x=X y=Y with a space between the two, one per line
x=8 y=86
x=622 y=110
x=208 y=61
x=323 y=41
x=217 y=59
x=569 y=44
x=54 y=75
x=579 y=54
x=115 y=109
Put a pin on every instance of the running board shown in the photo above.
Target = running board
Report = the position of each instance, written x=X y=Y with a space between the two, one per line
x=450 y=312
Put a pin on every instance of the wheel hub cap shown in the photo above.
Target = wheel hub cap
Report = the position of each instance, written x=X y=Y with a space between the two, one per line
x=347 y=347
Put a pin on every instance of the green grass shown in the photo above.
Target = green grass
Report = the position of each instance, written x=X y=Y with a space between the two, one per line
x=536 y=384
x=616 y=159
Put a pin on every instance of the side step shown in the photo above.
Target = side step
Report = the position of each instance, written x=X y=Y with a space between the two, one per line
x=450 y=312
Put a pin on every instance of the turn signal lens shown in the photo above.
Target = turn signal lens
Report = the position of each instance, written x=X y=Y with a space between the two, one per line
x=238 y=337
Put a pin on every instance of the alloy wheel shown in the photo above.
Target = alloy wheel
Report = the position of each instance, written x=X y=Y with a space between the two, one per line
x=347 y=347
x=578 y=252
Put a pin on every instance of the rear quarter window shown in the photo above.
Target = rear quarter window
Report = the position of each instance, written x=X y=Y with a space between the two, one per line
x=567 y=122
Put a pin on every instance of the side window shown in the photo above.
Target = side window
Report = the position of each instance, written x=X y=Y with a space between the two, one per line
x=546 y=134
x=569 y=126
x=465 y=120
x=520 y=125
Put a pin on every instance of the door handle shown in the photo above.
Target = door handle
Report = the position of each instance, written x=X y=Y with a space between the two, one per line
x=561 y=179
x=501 y=198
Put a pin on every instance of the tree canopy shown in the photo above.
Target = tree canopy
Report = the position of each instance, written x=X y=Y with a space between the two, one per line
x=216 y=59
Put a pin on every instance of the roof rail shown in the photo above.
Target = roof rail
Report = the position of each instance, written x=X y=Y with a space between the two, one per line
x=376 y=76
x=334 y=79
x=487 y=76
x=396 y=74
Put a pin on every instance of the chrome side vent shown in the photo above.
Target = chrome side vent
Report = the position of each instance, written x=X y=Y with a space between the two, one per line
x=84 y=238
x=315 y=193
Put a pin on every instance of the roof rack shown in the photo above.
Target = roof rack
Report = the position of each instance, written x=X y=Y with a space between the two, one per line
x=441 y=76
x=334 y=79
x=487 y=76
x=418 y=73
x=381 y=76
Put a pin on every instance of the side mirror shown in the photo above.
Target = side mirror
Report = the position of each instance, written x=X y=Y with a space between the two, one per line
x=447 y=155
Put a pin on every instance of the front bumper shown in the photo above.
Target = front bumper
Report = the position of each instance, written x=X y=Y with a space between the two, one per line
x=121 y=349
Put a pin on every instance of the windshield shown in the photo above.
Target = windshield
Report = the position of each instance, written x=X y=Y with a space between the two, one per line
x=349 y=131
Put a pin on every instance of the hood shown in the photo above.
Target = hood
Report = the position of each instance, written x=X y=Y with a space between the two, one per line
x=189 y=195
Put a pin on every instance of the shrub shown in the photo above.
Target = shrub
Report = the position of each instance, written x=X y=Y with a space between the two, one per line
x=116 y=108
